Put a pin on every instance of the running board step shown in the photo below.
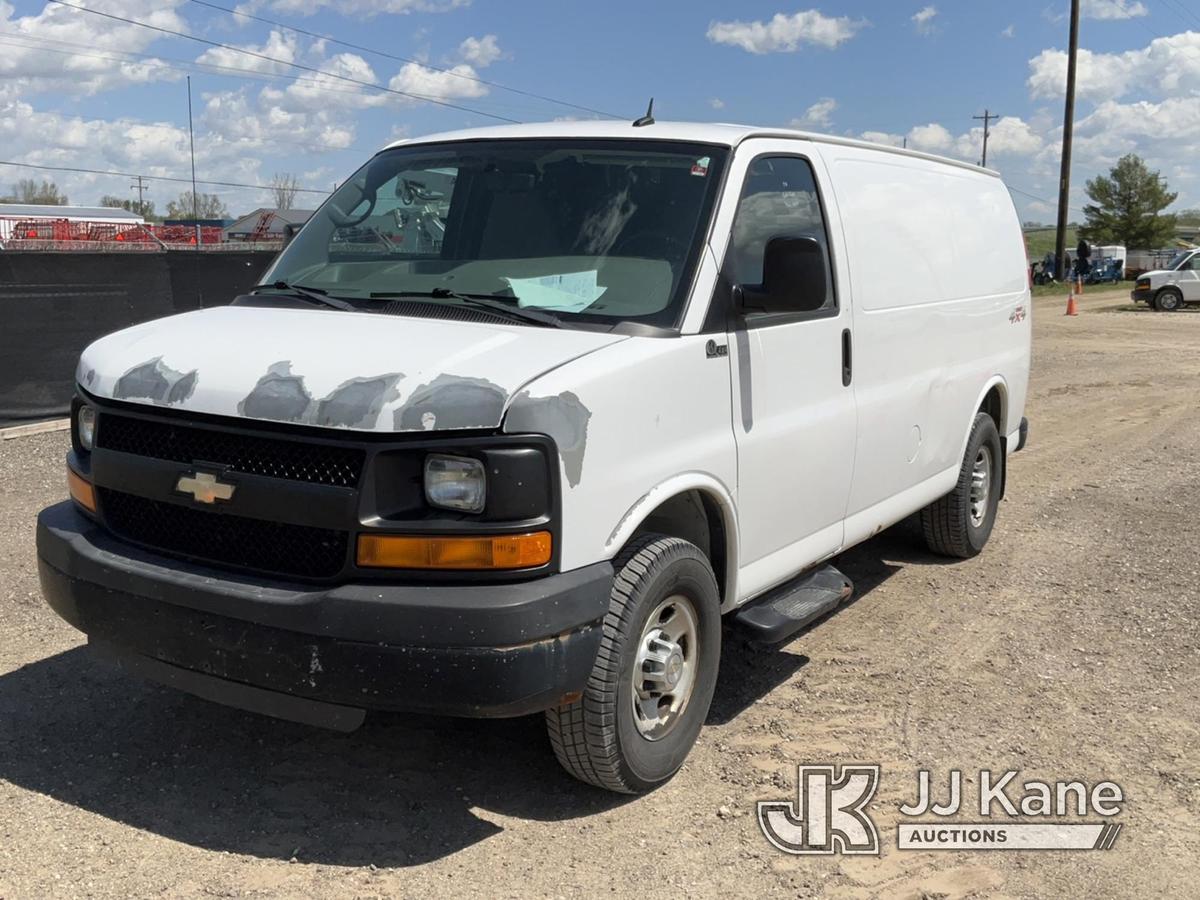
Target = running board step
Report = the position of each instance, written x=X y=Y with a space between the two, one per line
x=778 y=615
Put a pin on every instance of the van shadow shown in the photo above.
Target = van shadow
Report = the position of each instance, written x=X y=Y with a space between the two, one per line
x=403 y=790
x=400 y=791
x=750 y=671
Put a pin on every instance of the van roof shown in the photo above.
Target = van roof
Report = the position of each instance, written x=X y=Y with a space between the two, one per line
x=698 y=132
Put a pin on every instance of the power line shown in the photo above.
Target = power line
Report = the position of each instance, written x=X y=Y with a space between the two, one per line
x=405 y=59
x=153 y=61
x=231 y=184
x=284 y=62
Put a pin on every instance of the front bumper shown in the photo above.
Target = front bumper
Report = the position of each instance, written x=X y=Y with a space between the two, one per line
x=322 y=654
x=1143 y=296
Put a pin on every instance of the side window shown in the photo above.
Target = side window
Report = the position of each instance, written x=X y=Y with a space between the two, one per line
x=779 y=199
x=1192 y=265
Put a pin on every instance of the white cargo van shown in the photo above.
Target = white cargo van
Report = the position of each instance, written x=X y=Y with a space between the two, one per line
x=521 y=413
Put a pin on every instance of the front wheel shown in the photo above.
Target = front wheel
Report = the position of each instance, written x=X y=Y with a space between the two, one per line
x=960 y=523
x=1168 y=300
x=653 y=680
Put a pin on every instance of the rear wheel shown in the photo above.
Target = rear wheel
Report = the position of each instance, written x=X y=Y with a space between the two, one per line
x=1168 y=300
x=960 y=523
x=653 y=680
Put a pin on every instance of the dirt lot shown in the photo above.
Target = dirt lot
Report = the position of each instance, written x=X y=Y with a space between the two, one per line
x=1069 y=649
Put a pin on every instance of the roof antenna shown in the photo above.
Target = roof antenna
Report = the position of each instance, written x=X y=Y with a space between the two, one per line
x=648 y=118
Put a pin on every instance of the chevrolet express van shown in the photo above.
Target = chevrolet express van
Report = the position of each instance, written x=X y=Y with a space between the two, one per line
x=522 y=413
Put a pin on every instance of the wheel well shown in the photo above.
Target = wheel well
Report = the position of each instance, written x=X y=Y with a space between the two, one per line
x=693 y=516
x=993 y=405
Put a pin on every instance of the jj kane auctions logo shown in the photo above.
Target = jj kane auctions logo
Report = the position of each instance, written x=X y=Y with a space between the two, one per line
x=829 y=814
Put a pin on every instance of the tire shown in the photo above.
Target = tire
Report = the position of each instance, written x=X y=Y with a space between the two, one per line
x=953 y=525
x=1168 y=300
x=598 y=739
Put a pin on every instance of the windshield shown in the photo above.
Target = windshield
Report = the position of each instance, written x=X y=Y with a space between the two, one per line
x=600 y=231
x=1177 y=260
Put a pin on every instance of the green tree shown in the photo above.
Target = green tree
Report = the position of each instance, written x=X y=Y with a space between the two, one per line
x=145 y=209
x=29 y=191
x=208 y=206
x=1127 y=207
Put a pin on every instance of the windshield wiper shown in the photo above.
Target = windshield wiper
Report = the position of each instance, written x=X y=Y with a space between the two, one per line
x=478 y=301
x=309 y=293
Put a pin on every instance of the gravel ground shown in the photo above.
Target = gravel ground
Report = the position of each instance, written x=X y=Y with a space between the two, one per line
x=1068 y=649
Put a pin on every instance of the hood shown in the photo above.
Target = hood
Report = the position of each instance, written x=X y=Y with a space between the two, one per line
x=328 y=368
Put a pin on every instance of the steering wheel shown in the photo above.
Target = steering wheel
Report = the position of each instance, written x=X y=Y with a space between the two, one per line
x=343 y=219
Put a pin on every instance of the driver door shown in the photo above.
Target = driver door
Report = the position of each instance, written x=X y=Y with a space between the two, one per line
x=794 y=410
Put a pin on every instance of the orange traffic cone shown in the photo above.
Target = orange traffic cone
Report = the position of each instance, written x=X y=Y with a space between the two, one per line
x=1071 y=310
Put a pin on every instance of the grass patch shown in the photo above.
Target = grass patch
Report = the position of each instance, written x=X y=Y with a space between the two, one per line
x=1040 y=241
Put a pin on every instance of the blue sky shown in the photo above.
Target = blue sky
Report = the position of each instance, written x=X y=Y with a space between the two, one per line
x=80 y=90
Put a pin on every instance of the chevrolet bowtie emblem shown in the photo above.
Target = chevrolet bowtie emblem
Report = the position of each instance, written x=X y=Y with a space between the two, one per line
x=204 y=488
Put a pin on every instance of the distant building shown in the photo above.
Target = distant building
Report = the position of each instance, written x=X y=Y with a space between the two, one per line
x=12 y=214
x=264 y=224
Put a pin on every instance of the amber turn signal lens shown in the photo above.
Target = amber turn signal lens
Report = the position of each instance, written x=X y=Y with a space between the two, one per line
x=501 y=551
x=81 y=490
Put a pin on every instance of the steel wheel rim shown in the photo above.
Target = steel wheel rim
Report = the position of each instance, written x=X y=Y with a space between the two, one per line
x=664 y=670
x=981 y=485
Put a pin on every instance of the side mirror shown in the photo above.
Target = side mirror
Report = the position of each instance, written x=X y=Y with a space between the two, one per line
x=289 y=232
x=795 y=278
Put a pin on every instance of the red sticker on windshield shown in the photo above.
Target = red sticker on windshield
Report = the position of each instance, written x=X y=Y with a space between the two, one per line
x=700 y=166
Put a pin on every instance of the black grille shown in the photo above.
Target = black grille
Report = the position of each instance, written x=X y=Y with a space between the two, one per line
x=312 y=462
x=233 y=540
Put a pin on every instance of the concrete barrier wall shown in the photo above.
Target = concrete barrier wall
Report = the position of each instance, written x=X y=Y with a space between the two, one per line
x=52 y=305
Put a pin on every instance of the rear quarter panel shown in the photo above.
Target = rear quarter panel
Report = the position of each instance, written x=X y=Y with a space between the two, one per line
x=937 y=270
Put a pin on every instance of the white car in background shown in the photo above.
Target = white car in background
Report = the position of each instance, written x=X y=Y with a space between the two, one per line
x=1172 y=287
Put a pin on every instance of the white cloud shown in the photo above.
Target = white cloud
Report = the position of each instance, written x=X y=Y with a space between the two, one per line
x=481 y=52
x=1112 y=9
x=785 y=34
x=1009 y=137
x=456 y=83
x=1008 y=32
x=154 y=149
x=42 y=52
x=1166 y=65
x=932 y=138
x=883 y=137
x=716 y=103
x=819 y=115
x=923 y=20
x=278 y=46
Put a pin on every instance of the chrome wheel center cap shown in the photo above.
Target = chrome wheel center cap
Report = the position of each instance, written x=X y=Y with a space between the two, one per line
x=674 y=668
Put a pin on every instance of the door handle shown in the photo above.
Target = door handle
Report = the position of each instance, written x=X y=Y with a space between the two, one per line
x=847 y=358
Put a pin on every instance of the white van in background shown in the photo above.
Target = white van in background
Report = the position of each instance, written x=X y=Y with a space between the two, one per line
x=522 y=412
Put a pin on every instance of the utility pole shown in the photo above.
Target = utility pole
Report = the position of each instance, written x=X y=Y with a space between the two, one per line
x=1064 y=179
x=987 y=119
x=140 y=188
x=192 y=143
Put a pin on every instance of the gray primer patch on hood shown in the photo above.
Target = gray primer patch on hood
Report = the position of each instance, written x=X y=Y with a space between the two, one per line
x=358 y=402
x=279 y=395
x=450 y=401
x=155 y=382
x=564 y=418
x=90 y=376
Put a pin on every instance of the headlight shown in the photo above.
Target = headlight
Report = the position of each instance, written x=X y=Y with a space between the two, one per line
x=455 y=482
x=85 y=426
